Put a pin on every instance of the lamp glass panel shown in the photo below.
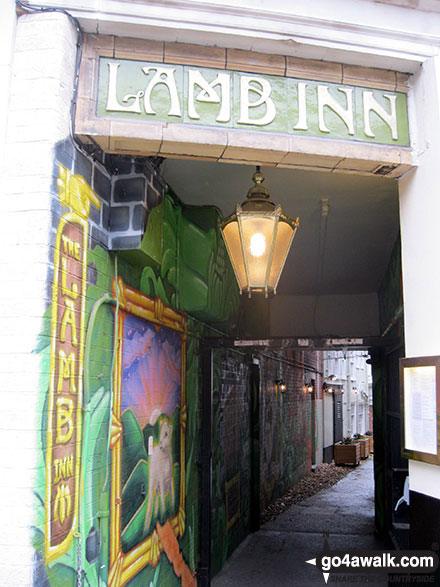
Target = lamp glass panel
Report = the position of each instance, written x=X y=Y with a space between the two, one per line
x=283 y=241
x=257 y=243
x=231 y=234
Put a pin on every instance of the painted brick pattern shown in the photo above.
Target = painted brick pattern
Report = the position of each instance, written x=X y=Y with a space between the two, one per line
x=136 y=188
x=128 y=187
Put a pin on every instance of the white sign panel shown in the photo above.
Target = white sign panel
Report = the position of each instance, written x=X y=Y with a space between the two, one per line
x=420 y=409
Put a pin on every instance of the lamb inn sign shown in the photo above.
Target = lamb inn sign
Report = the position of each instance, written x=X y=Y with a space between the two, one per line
x=230 y=99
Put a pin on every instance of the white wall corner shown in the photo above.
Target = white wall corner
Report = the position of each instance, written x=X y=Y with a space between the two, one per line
x=37 y=106
x=419 y=198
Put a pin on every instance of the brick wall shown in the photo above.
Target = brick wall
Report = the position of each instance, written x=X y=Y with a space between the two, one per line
x=231 y=456
x=285 y=438
x=285 y=422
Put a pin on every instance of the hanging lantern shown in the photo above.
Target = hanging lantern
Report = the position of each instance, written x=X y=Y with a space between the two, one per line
x=258 y=237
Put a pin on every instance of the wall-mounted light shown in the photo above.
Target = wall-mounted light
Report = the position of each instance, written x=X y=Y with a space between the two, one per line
x=327 y=385
x=258 y=237
x=280 y=385
x=308 y=384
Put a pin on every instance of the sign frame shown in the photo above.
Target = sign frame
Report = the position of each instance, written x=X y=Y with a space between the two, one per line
x=67 y=340
x=148 y=91
x=145 y=135
x=418 y=363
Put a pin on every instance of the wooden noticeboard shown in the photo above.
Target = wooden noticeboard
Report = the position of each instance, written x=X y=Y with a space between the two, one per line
x=420 y=408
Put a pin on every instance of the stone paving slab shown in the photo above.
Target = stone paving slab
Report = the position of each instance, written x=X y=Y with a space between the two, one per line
x=276 y=555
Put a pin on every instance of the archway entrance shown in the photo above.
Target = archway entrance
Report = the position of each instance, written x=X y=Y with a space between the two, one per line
x=324 y=150
x=340 y=291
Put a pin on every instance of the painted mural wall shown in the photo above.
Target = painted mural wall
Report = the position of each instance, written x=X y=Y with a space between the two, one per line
x=262 y=439
x=116 y=488
x=117 y=497
x=285 y=424
x=231 y=460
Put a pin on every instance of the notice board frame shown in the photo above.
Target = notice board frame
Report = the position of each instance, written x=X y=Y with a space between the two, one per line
x=414 y=362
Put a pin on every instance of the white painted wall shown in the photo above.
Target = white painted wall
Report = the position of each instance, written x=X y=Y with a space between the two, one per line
x=38 y=116
x=7 y=37
x=419 y=196
x=360 y=32
x=352 y=373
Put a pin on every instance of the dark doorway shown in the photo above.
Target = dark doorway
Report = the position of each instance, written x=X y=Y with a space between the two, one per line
x=337 y=416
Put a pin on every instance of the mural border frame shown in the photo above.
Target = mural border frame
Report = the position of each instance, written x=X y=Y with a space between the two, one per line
x=123 y=567
x=53 y=552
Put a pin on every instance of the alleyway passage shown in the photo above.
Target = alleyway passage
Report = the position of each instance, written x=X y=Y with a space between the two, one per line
x=276 y=554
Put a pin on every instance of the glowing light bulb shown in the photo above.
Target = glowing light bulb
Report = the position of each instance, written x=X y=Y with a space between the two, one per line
x=258 y=244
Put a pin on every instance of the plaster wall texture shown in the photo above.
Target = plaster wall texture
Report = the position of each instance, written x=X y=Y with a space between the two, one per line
x=419 y=195
x=358 y=36
x=40 y=93
x=7 y=34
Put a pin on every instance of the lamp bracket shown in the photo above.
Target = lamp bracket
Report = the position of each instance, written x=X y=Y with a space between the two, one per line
x=258 y=191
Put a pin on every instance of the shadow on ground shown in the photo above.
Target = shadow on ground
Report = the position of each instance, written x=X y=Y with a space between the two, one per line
x=277 y=554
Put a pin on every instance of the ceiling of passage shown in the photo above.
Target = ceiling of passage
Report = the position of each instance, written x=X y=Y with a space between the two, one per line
x=344 y=253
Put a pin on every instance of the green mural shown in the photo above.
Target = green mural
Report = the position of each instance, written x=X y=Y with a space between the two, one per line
x=188 y=266
x=182 y=261
x=391 y=294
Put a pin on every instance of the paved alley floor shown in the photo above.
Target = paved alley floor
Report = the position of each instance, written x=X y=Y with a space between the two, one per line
x=276 y=554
